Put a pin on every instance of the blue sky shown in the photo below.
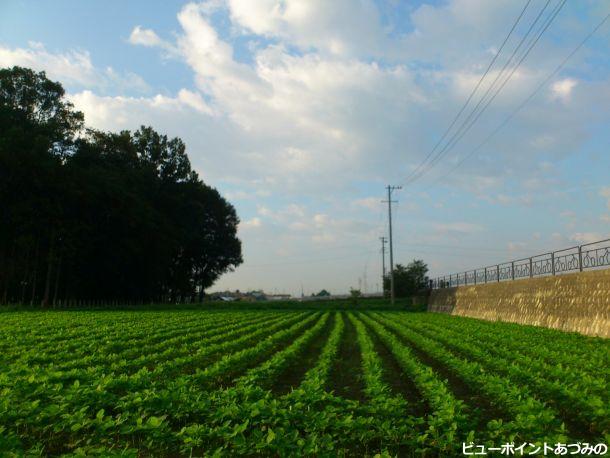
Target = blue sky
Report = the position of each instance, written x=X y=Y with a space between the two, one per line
x=301 y=112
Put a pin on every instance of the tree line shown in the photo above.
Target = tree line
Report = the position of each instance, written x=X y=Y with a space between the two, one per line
x=409 y=280
x=87 y=215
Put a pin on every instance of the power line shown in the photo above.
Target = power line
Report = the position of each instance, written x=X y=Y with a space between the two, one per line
x=472 y=93
x=541 y=31
x=528 y=98
x=469 y=122
x=465 y=126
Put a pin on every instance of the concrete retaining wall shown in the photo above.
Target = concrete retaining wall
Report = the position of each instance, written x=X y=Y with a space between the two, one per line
x=571 y=302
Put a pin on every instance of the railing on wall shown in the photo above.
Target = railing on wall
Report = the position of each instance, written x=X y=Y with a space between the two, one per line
x=578 y=258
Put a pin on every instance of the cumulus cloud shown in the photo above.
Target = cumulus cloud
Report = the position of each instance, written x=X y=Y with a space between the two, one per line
x=370 y=203
x=71 y=67
x=562 y=89
x=516 y=246
x=605 y=193
x=340 y=27
x=586 y=237
x=458 y=227
x=144 y=37
x=298 y=118
x=113 y=113
x=141 y=36
x=250 y=224
x=331 y=101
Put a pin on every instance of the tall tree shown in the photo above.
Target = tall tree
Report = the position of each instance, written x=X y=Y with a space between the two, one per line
x=91 y=215
x=408 y=280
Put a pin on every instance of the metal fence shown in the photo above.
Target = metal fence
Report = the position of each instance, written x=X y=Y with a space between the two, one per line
x=578 y=258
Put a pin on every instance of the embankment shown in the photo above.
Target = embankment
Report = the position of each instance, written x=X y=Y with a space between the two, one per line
x=571 y=302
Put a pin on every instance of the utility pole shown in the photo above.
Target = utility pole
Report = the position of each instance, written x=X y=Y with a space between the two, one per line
x=383 y=242
x=390 y=201
x=365 y=284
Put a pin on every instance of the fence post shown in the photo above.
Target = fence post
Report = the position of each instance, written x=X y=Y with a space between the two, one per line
x=485 y=274
x=512 y=269
x=498 y=272
x=465 y=278
x=580 y=257
x=475 y=276
x=531 y=268
x=553 y=262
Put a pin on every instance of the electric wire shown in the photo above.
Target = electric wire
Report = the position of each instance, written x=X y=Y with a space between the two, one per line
x=472 y=93
x=469 y=122
x=526 y=100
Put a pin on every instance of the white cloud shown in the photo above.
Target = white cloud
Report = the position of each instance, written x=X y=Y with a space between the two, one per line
x=562 y=89
x=144 y=37
x=239 y=195
x=370 y=203
x=194 y=100
x=296 y=120
x=141 y=36
x=72 y=68
x=340 y=27
x=320 y=220
x=458 y=227
x=586 y=237
x=516 y=246
x=358 y=105
x=113 y=113
x=605 y=193
x=556 y=237
x=251 y=223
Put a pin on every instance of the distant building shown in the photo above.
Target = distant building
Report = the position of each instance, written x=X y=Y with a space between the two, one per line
x=250 y=296
x=279 y=297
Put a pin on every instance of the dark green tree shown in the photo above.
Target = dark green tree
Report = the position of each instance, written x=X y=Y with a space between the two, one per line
x=89 y=215
x=408 y=280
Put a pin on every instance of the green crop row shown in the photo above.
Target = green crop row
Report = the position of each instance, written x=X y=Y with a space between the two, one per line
x=572 y=390
x=529 y=415
x=202 y=383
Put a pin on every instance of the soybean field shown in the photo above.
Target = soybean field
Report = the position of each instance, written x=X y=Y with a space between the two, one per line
x=291 y=383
